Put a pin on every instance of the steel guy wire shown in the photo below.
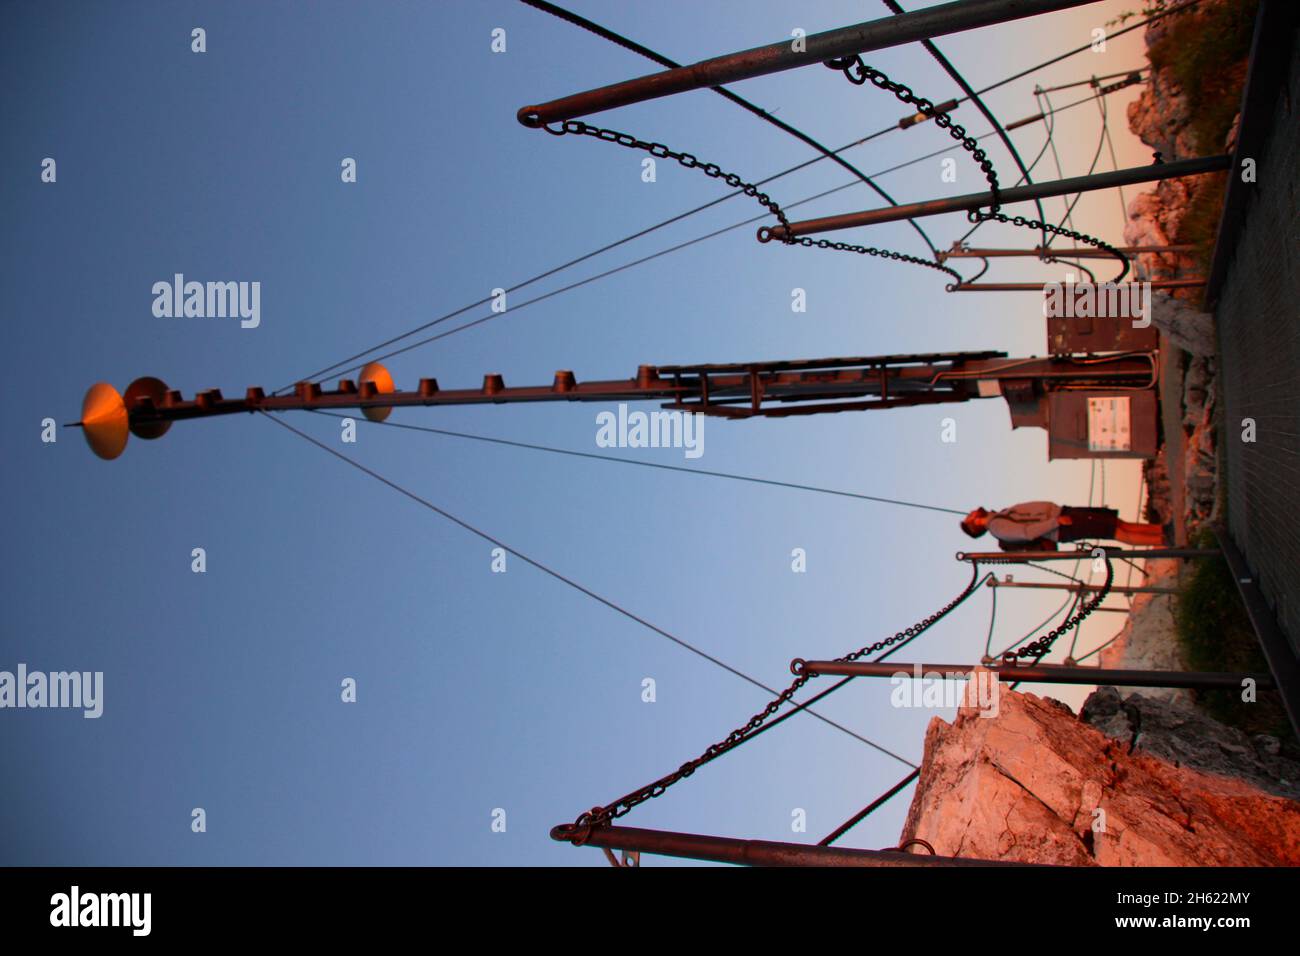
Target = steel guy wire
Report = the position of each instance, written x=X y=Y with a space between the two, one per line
x=569 y=581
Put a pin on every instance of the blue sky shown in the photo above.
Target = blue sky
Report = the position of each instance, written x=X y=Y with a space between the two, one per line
x=476 y=690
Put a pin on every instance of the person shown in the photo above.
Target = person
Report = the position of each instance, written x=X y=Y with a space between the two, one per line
x=1041 y=525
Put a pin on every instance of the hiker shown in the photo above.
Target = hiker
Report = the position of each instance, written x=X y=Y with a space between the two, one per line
x=1041 y=525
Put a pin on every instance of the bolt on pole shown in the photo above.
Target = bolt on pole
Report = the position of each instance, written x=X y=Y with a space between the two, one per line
x=936 y=21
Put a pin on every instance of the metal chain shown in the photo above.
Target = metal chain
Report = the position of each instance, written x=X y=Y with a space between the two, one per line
x=712 y=170
x=579 y=830
x=1038 y=648
x=857 y=72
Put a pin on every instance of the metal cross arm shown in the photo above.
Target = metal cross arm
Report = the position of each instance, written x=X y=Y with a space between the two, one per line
x=148 y=407
x=750 y=852
x=786 y=54
x=1016 y=557
x=973 y=201
x=1037 y=673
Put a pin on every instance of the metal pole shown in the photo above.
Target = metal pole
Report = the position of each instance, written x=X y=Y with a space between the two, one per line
x=1060 y=187
x=993 y=557
x=1090 y=588
x=1039 y=674
x=751 y=852
x=1038 y=286
x=1038 y=252
x=788 y=54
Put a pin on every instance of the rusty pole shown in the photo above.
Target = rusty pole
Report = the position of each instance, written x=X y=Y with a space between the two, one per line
x=751 y=852
x=1088 y=588
x=936 y=21
x=1038 y=674
x=1188 y=283
x=1112 y=551
x=1060 y=187
x=1038 y=252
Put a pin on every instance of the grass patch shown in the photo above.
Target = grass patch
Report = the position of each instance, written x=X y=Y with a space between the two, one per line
x=1206 y=53
x=1215 y=635
x=1199 y=226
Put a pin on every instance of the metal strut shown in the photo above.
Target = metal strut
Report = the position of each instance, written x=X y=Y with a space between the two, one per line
x=974 y=201
x=694 y=846
x=924 y=24
x=741 y=390
x=1037 y=673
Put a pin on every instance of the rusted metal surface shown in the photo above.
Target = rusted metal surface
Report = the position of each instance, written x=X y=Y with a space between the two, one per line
x=1038 y=674
x=993 y=557
x=731 y=390
x=1188 y=283
x=1038 y=252
x=972 y=201
x=717 y=849
x=1085 y=588
x=773 y=58
x=743 y=390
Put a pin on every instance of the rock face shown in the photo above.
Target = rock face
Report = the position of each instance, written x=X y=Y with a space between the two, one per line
x=1186 y=738
x=1200 y=462
x=1035 y=784
x=1186 y=326
x=1161 y=118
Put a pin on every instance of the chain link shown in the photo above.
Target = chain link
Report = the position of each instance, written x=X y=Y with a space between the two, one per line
x=1038 y=648
x=578 y=831
x=857 y=72
x=712 y=170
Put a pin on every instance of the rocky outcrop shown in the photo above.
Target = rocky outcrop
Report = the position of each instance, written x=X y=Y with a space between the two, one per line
x=1200 y=454
x=1161 y=118
x=1186 y=326
x=1035 y=784
x=1186 y=738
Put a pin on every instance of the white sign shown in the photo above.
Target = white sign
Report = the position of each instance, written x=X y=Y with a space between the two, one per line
x=1108 y=424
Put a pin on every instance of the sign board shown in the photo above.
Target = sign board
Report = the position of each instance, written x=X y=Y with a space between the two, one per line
x=1109 y=426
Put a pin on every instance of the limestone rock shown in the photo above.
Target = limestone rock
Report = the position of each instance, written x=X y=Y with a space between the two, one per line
x=1035 y=784
x=1187 y=327
x=1185 y=737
